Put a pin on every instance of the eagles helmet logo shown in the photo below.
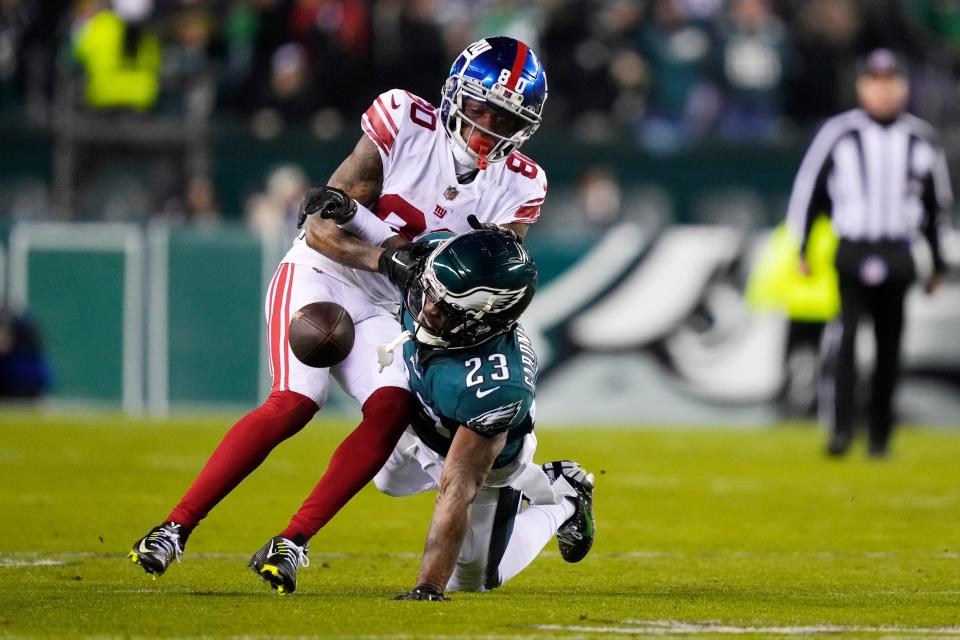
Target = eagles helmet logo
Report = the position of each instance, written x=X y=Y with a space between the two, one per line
x=498 y=299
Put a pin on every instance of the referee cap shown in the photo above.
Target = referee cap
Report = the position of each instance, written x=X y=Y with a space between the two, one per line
x=881 y=62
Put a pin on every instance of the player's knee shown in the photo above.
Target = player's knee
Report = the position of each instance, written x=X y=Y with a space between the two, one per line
x=386 y=486
x=279 y=402
x=382 y=482
x=393 y=402
x=468 y=576
x=289 y=410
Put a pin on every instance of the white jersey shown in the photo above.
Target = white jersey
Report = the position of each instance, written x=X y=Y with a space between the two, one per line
x=420 y=191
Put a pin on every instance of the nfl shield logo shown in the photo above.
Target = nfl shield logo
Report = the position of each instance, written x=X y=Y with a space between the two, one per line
x=451 y=193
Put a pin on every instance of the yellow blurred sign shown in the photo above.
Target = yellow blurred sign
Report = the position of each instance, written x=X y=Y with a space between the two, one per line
x=115 y=79
x=777 y=282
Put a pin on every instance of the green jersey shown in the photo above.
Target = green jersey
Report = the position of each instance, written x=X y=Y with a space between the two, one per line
x=488 y=388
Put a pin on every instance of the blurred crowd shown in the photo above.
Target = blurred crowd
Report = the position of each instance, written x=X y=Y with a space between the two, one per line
x=664 y=74
x=668 y=72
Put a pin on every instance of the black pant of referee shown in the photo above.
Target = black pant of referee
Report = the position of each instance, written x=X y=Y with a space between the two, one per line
x=874 y=278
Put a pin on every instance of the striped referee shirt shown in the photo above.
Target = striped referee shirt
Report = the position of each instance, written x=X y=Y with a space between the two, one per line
x=878 y=182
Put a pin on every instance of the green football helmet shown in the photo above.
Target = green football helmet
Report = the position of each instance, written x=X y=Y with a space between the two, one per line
x=480 y=281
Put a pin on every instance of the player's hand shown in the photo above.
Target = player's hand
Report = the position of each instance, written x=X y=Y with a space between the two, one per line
x=934 y=283
x=475 y=223
x=404 y=264
x=423 y=593
x=331 y=203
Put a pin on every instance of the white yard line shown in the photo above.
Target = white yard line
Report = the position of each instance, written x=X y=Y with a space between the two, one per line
x=10 y=563
x=668 y=627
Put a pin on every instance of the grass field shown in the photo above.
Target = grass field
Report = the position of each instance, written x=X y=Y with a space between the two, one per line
x=702 y=533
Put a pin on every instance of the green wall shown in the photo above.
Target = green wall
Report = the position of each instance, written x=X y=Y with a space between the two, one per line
x=212 y=282
x=215 y=315
x=76 y=300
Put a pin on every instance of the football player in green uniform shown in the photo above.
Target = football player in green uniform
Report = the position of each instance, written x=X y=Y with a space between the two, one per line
x=473 y=370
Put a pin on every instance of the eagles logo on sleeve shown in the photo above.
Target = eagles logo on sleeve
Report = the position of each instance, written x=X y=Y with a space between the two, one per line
x=496 y=419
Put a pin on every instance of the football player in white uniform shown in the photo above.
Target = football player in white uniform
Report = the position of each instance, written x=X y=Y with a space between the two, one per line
x=415 y=170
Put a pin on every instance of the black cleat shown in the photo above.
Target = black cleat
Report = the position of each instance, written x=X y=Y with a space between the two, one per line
x=155 y=551
x=575 y=536
x=878 y=450
x=277 y=563
x=839 y=444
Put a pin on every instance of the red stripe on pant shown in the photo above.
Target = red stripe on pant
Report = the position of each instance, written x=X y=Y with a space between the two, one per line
x=274 y=322
x=286 y=331
x=279 y=323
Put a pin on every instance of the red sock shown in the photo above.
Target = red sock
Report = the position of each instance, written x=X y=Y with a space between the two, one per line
x=241 y=451
x=386 y=413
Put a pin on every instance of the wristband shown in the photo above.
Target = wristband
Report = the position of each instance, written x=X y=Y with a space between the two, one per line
x=368 y=227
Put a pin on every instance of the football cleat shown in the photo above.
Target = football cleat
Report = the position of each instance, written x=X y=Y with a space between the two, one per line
x=277 y=563
x=839 y=444
x=156 y=550
x=878 y=449
x=575 y=536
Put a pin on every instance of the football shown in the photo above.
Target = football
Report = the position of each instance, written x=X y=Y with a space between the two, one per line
x=321 y=334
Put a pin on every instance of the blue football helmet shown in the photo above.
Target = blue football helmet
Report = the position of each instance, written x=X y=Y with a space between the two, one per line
x=504 y=73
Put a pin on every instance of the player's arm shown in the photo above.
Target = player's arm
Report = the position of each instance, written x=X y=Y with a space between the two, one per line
x=809 y=195
x=360 y=177
x=519 y=228
x=937 y=197
x=466 y=467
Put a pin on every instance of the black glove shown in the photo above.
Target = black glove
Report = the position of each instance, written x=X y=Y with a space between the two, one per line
x=475 y=223
x=331 y=203
x=402 y=266
x=423 y=593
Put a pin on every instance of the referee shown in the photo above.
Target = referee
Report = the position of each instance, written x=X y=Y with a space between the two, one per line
x=881 y=176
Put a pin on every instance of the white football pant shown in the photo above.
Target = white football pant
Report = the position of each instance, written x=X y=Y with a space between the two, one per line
x=502 y=540
x=295 y=286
